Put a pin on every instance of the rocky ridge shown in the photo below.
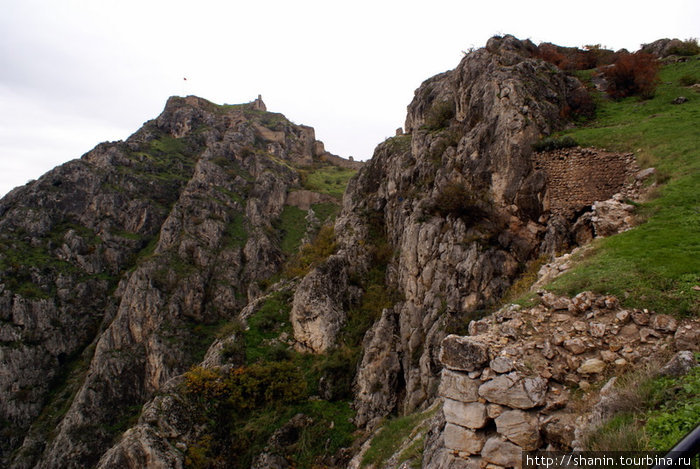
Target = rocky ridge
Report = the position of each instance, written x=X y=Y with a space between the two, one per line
x=138 y=250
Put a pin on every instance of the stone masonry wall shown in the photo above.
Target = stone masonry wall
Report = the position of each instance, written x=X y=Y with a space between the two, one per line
x=506 y=386
x=577 y=177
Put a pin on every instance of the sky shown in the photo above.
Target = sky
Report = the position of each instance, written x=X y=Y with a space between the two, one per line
x=74 y=73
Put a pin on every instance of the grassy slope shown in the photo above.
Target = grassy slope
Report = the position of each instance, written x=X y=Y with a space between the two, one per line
x=656 y=265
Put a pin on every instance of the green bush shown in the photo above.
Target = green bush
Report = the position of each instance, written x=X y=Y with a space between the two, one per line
x=551 y=143
x=246 y=388
x=456 y=200
x=439 y=115
x=686 y=48
x=312 y=254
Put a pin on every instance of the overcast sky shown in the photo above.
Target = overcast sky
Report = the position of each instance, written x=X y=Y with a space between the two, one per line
x=74 y=73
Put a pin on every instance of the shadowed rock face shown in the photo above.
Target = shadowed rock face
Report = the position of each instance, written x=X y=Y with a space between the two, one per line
x=114 y=267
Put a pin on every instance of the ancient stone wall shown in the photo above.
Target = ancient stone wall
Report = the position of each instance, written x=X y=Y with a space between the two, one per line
x=577 y=177
x=506 y=387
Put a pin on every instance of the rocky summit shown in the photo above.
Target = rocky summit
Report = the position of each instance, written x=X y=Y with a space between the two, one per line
x=220 y=291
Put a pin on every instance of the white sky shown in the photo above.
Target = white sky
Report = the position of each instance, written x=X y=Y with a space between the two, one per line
x=74 y=73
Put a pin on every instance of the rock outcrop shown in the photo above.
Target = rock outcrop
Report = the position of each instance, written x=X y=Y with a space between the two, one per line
x=458 y=201
x=117 y=267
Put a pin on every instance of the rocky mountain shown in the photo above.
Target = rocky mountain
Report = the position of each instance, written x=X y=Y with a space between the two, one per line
x=180 y=299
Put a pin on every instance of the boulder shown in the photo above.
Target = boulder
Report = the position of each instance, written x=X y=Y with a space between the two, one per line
x=515 y=391
x=469 y=415
x=520 y=427
x=463 y=353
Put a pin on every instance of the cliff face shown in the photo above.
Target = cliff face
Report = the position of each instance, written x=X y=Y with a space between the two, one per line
x=458 y=203
x=117 y=268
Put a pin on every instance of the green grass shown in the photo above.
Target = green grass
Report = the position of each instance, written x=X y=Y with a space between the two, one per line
x=235 y=233
x=392 y=434
x=327 y=179
x=657 y=264
x=268 y=322
x=652 y=413
x=292 y=225
x=326 y=211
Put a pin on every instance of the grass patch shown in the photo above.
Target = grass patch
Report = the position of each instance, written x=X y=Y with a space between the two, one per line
x=235 y=233
x=267 y=323
x=292 y=227
x=390 y=437
x=312 y=254
x=326 y=211
x=326 y=179
x=651 y=413
x=656 y=264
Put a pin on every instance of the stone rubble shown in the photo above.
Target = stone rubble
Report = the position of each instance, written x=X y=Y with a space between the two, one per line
x=511 y=392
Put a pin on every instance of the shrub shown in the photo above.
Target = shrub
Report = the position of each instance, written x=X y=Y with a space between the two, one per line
x=439 y=115
x=550 y=143
x=312 y=254
x=455 y=199
x=686 y=48
x=632 y=74
x=573 y=58
x=247 y=387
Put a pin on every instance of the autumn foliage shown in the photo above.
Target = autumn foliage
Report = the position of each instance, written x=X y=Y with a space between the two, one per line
x=632 y=74
x=573 y=58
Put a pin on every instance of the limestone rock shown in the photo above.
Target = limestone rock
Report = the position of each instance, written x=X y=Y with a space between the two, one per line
x=317 y=311
x=503 y=453
x=463 y=353
x=470 y=415
x=458 y=386
x=681 y=363
x=501 y=365
x=458 y=438
x=520 y=427
x=515 y=390
x=378 y=373
x=591 y=366
x=663 y=323
x=687 y=337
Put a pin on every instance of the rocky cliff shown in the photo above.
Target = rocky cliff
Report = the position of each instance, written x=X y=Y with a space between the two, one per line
x=457 y=203
x=175 y=300
x=117 y=268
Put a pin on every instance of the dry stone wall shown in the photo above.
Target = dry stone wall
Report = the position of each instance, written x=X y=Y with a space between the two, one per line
x=577 y=177
x=507 y=386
